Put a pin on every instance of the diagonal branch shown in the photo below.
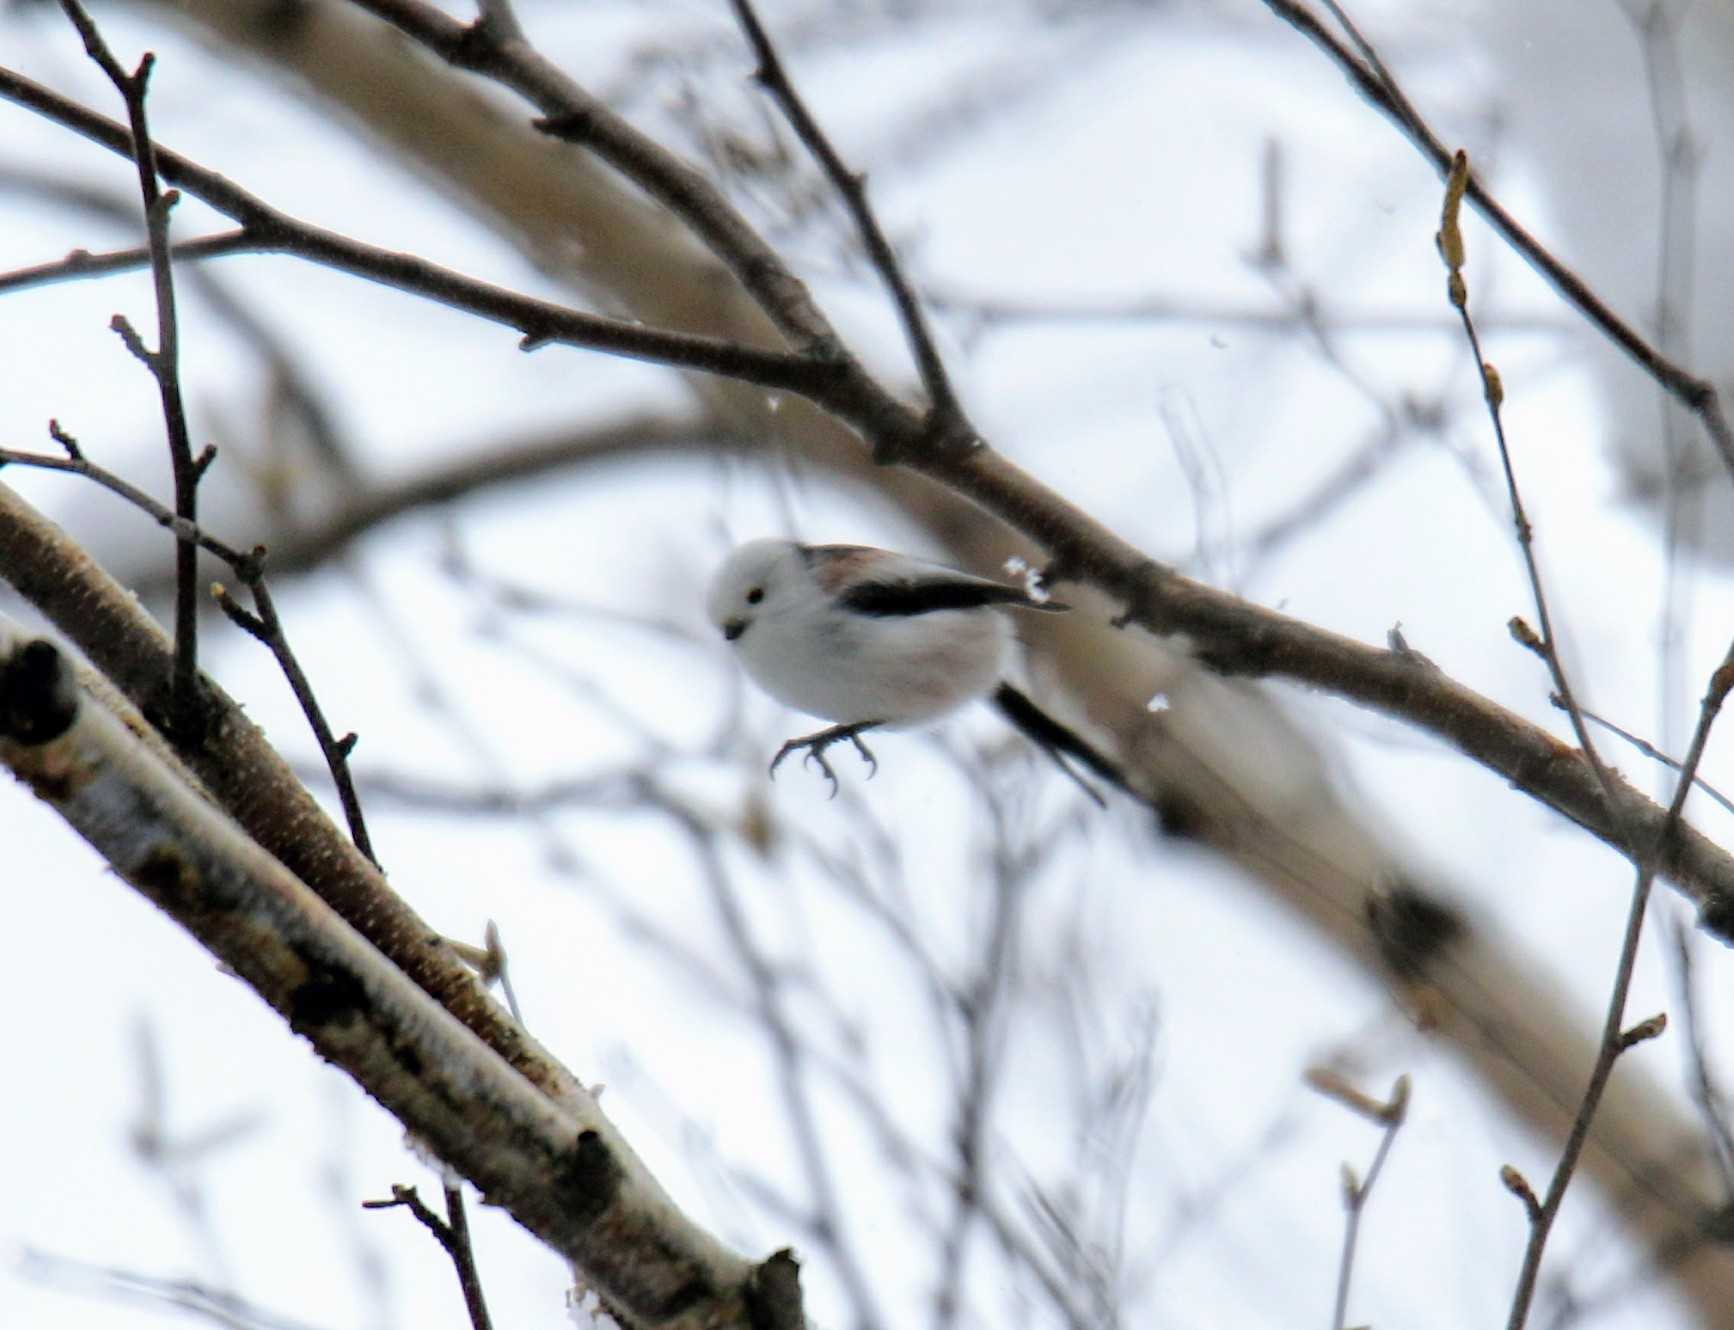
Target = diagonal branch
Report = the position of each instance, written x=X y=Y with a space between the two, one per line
x=265 y=626
x=558 y=1167
x=572 y=114
x=1696 y=393
x=245 y=776
x=1230 y=635
x=541 y=322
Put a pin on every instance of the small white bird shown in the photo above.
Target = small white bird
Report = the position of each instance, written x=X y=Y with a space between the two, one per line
x=871 y=639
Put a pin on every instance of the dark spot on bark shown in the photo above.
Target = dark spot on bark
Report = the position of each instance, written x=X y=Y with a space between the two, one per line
x=38 y=694
x=587 y=1182
x=773 y=1293
x=1411 y=929
x=1719 y=1226
x=1717 y=916
x=324 y=998
x=1179 y=816
x=284 y=20
x=166 y=876
x=684 y=1298
x=1252 y=654
x=408 y=1059
x=589 y=1178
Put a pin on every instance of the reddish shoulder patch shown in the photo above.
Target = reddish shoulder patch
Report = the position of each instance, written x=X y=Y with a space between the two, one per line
x=838 y=566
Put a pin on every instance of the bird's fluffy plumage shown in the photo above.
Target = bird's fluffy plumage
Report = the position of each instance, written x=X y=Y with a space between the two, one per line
x=863 y=636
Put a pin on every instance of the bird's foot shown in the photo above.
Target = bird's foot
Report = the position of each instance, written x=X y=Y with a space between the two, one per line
x=816 y=744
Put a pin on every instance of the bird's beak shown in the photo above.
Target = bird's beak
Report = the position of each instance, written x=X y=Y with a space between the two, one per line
x=733 y=628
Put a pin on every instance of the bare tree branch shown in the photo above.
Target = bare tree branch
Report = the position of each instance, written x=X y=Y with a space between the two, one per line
x=541 y=322
x=453 y=1235
x=1356 y=1190
x=163 y=362
x=1236 y=638
x=1230 y=635
x=948 y=412
x=558 y=1167
x=1374 y=83
x=1616 y=1038
x=246 y=777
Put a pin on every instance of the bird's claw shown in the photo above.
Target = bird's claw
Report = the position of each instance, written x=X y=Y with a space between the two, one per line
x=866 y=754
x=816 y=744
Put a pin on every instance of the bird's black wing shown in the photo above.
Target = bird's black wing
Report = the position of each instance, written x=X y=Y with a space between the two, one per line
x=926 y=595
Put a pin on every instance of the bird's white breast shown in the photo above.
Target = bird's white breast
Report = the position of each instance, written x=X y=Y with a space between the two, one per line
x=893 y=669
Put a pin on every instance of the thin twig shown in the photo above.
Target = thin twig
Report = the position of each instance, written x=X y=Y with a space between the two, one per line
x=265 y=626
x=164 y=362
x=541 y=322
x=1451 y=250
x=1232 y=636
x=1650 y=751
x=1697 y=394
x=1676 y=262
x=950 y=425
x=770 y=1007
x=1390 y=1115
x=453 y=1236
x=1402 y=107
x=1616 y=1039
x=77 y=464
x=1000 y=308
x=189 y=1298
x=981 y=1005
x=463 y=1255
x=81 y=263
x=1712 y=1103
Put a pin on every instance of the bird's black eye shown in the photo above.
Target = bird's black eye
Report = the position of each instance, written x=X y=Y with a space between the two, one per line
x=755 y=595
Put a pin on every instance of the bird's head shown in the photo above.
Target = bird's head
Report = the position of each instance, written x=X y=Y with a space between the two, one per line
x=757 y=579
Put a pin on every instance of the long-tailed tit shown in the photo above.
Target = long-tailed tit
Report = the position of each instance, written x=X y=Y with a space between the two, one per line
x=871 y=639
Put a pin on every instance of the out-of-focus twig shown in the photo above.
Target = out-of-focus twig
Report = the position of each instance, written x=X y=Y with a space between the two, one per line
x=1356 y=1190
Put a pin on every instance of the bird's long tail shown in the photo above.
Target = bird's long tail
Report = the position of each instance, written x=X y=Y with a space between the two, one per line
x=1059 y=742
